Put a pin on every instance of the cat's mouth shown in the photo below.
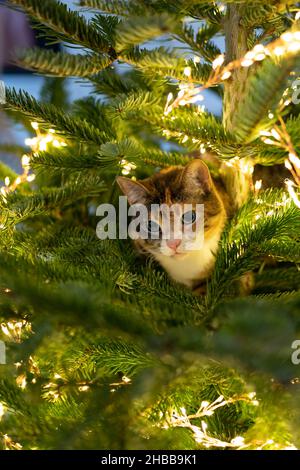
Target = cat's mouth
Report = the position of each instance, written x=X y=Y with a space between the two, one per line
x=178 y=254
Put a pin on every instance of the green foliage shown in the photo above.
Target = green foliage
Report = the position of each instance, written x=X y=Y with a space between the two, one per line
x=259 y=15
x=201 y=42
x=166 y=63
x=264 y=91
x=16 y=208
x=5 y=171
x=55 y=117
x=64 y=24
x=103 y=349
x=62 y=64
x=116 y=7
x=137 y=30
x=248 y=239
x=109 y=357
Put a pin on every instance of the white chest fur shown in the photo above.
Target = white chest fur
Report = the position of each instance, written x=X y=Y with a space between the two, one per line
x=192 y=266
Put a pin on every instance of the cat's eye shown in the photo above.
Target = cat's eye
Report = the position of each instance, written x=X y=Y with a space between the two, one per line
x=153 y=228
x=189 y=217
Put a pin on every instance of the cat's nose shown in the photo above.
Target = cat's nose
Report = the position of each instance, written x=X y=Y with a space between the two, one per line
x=173 y=244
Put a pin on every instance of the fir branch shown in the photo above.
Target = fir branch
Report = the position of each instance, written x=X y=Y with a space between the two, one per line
x=272 y=155
x=109 y=156
x=54 y=91
x=161 y=158
x=200 y=126
x=52 y=116
x=201 y=42
x=264 y=91
x=62 y=64
x=246 y=241
x=110 y=357
x=65 y=24
x=17 y=208
x=94 y=111
x=137 y=30
x=123 y=105
x=155 y=285
x=116 y=7
x=66 y=408
x=274 y=303
x=259 y=14
x=278 y=279
x=166 y=63
x=5 y=171
x=15 y=149
x=12 y=397
x=64 y=159
x=282 y=249
x=110 y=83
x=197 y=9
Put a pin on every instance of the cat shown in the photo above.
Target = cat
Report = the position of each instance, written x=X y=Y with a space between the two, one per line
x=191 y=184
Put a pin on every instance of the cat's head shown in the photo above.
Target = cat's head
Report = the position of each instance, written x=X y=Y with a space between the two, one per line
x=177 y=187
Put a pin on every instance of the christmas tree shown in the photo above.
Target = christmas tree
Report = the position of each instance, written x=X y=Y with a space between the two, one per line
x=103 y=350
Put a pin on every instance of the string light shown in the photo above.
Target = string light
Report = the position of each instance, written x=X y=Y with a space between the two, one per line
x=43 y=139
x=288 y=42
x=202 y=149
x=21 y=381
x=2 y=410
x=9 y=444
x=12 y=186
x=126 y=379
x=258 y=185
x=218 y=61
x=35 y=125
x=30 y=178
x=244 y=166
x=51 y=392
x=226 y=75
x=294 y=160
x=187 y=71
x=185 y=139
x=275 y=134
x=33 y=366
x=290 y=187
x=287 y=37
x=127 y=167
x=15 y=330
x=187 y=94
x=247 y=63
x=284 y=141
x=25 y=161
x=279 y=51
x=38 y=143
x=180 y=418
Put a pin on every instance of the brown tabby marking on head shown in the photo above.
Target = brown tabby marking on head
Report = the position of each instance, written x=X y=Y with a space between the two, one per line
x=191 y=184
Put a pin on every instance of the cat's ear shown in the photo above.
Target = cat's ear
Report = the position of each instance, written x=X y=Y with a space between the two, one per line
x=134 y=190
x=197 y=174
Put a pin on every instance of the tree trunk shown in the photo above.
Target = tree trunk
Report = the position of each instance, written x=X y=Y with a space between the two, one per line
x=238 y=177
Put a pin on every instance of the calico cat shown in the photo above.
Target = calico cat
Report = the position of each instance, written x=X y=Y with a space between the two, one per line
x=192 y=184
